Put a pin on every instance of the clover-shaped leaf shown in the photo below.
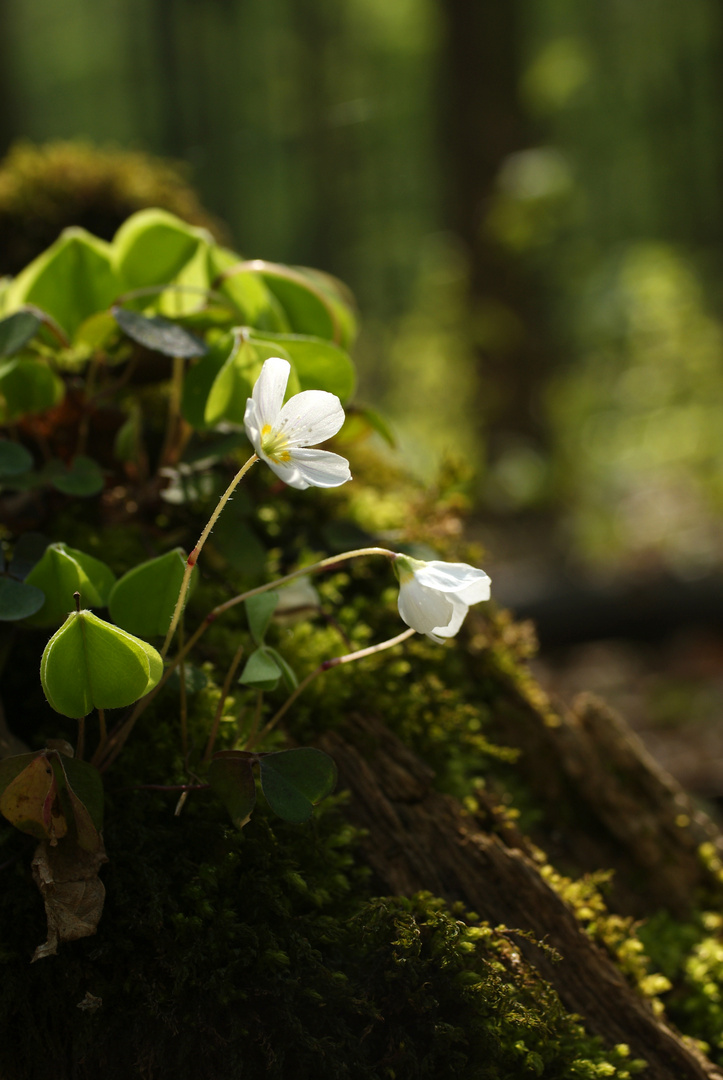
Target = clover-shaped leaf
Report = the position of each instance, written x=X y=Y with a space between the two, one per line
x=144 y=599
x=90 y=663
x=293 y=781
x=63 y=571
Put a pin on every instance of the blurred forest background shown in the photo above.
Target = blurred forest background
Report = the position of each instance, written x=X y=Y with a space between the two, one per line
x=525 y=197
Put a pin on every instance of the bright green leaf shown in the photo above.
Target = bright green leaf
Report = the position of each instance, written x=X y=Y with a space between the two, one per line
x=306 y=306
x=144 y=599
x=90 y=663
x=259 y=610
x=319 y=364
x=293 y=781
x=231 y=777
x=63 y=571
x=152 y=247
x=72 y=280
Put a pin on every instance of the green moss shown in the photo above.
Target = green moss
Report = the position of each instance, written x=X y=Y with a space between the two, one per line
x=262 y=954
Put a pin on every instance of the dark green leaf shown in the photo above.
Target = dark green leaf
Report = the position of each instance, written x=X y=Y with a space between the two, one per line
x=18 y=600
x=84 y=476
x=17 y=330
x=28 y=550
x=231 y=777
x=194 y=677
x=293 y=781
x=158 y=334
x=14 y=459
x=28 y=386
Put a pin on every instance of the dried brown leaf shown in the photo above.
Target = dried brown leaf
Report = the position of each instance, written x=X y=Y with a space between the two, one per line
x=67 y=877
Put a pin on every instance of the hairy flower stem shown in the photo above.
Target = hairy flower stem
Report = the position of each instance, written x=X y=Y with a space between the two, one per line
x=325 y=666
x=193 y=557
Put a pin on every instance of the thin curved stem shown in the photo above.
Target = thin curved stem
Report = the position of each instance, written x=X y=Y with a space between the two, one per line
x=335 y=661
x=193 y=557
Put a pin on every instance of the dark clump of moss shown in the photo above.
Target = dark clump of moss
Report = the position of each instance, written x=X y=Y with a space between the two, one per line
x=232 y=955
x=44 y=189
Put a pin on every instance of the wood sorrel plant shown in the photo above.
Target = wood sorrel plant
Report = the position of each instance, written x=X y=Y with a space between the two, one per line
x=239 y=352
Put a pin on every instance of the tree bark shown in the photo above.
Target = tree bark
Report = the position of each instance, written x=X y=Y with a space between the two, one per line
x=419 y=839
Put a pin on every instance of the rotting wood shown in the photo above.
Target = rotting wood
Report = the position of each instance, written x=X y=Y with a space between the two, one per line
x=420 y=839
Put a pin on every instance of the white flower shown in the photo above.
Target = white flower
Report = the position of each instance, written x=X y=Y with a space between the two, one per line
x=281 y=434
x=434 y=597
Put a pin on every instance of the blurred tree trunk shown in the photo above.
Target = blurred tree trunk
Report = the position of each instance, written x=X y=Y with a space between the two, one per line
x=482 y=123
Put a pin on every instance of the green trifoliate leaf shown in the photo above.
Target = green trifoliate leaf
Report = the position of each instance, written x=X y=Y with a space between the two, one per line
x=259 y=610
x=261 y=672
x=144 y=599
x=293 y=781
x=89 y=663
x=231 y=777
x=14 y=459
x=17 y=330
x=158 y=334
x=63 y=571
x=72 y=280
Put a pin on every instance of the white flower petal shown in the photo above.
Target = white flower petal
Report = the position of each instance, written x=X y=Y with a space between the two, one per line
x=425 y=610
x=310 y=417
x=477 y=591
x=269 y=389
x=253 y=426
x=452 y=577
x=314 y=468
x=459 y=613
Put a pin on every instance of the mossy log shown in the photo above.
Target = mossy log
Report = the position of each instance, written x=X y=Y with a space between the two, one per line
x=418 y=838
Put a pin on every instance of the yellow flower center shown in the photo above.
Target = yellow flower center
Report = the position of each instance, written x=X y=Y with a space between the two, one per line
x=274 y=444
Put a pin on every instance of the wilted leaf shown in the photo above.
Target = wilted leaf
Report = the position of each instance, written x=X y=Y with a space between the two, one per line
x=293 y=781
x=30 y=801
x=73 y=893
